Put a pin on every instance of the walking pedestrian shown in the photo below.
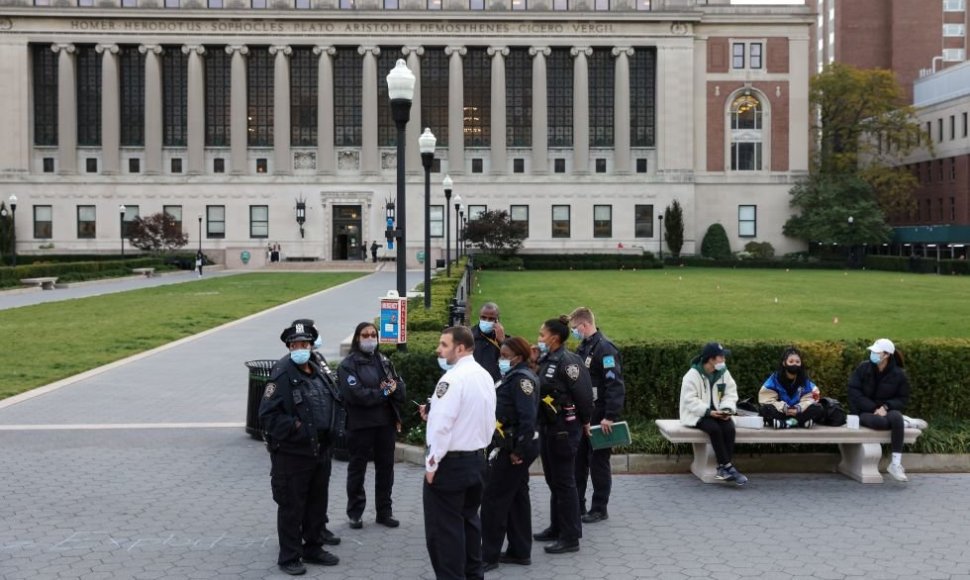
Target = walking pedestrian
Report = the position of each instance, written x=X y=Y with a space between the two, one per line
x=373 y=250
x=199 y=260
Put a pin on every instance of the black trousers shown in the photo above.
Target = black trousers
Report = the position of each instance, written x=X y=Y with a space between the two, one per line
x=376 y=442
x=722 y=437
x=452 y=527
x=594 y=464
x=893 y=421
x=558 y=445
x=813 y=413
x=507 y=508
x=300 y=490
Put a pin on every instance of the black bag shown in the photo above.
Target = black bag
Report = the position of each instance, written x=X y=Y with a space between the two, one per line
x=834 y=415
x=749 y=407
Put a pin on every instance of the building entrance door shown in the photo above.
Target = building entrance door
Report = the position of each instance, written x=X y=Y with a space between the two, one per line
x=347 y=244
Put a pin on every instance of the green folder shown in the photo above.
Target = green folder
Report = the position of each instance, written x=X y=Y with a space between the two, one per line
x=620 y=435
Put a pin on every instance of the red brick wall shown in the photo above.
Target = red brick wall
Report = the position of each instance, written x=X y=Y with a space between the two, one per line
x=777 y=55
x=933 y=189
x=716 y=127
x=718 y=55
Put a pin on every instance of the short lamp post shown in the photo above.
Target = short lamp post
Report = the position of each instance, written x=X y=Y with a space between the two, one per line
x=301 y=213
x=3 y=220
x=447 y=183
x=457 y=225
x=200 y=233
x=660 y=226
x=121 y=227
x=13 y=229
x=850 y=245
x=426 y=143
x=400 y=90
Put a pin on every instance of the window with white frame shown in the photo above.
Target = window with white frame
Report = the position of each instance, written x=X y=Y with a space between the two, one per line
x=215 y=222
x=174 y=212
x=954 y=30
x=43 y=222
x=747 y=221
x=476 y=211
x=259 y=221
x=954 y=5
x=602 y=221
x=954 y=54
x=437 y=222
x=87 y=220
x=747 y=55
x=747 y=135
x=132 y=212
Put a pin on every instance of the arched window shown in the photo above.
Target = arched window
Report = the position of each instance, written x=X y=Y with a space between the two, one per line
x=746 y=133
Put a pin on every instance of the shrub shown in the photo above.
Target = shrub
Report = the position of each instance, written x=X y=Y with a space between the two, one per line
x=763 y=250
x=645 y=260
x=715 y=244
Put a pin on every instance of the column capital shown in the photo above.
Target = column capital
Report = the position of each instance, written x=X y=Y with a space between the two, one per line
x=461 y=50
x=198 y=49
x=152 y=48
x=496 y=50
x=324 y=48
x=281 y=48
x=240 y=48
x=536 y=50
x=407 y=50
x=365 y=50
x=68 y=48
x=627 y=50
x=112 y=48
x=581 y=50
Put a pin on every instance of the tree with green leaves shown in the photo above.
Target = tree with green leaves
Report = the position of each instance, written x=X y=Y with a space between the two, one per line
x=828 y=202
x=715 y=243
x=674 y=228
x=494 y=233
x=158 y=232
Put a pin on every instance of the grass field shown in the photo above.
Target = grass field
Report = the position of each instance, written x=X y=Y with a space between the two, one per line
x=719 y=304
x=47 y=342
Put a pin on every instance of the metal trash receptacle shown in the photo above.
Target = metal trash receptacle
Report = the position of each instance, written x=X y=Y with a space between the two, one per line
x=258 y=377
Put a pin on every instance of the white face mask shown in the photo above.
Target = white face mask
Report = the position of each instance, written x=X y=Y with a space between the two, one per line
x=721 y=366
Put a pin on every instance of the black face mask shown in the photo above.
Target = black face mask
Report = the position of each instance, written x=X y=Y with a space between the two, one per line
x=793 y=369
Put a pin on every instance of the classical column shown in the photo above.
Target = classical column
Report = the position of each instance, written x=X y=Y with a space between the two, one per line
x=66 y=108
x=195 y=108
x=414 y=129
x=282 y=163
x=369 y=159
x=621 y=110
x=326 y=162
x=498 y=145
x=110 y=109
x=238 y=123
x=580 y=109
x=153 y=108
x=540 y=119
x=456 y=109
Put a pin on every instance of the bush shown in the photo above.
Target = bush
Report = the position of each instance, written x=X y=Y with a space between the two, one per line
x=443 y=289
x=762 y=250
x=496 y=262
x=642 y=261
x=715 y=244
x=75 y=271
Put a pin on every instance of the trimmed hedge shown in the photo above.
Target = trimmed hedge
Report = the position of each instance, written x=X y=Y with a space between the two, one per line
x=76 y=271
x=443 y=289
x=645 y=260
x=754 y=263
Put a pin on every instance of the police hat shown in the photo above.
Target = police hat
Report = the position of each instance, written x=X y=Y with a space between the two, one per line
x=299 y=331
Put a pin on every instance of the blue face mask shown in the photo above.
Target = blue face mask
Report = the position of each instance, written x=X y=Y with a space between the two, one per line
x=300 y=356
x=486 y=325
x=543 y=347
x=576 y=334
x=875 y=357
x=504 y=365
x=443 y=363
x=318 y=343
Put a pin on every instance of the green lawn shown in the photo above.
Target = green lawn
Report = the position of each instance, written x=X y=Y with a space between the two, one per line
x=47 y=342
x=720 y=304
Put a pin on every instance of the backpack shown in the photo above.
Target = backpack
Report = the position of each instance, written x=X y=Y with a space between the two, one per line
x=834 y=415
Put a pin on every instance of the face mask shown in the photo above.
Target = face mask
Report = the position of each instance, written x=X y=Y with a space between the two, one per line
x=720 y=366
x=318 y=343
x=577 y=334
x=368 y=345
x=300 y=356
x=486 y=325
x=793 y=369
x=543 y=347
x=875 y=357
x=504 y=365
x=443 y=363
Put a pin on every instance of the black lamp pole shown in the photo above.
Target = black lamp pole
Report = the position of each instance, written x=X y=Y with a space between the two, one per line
x=426 y=143
x=200 y=233
x=660 y=226
x=400 y=89
x=13 y=229
x=447 y=184
x=457 y=225
x=464 y=229
x=121 y=228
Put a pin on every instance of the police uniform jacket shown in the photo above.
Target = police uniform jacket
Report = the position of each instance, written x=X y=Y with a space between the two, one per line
x=516 y=408
x=565 y=380
x=870 y=389
x=603 y=361
x=360 y=376
x=487 y=352
x=290 y=399
x=461 y=416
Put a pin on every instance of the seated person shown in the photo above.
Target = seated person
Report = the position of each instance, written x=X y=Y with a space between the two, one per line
x=789 y=398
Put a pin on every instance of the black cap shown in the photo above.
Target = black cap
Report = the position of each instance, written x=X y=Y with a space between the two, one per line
x=299 y=331
x=304 y=322
x=713 y=349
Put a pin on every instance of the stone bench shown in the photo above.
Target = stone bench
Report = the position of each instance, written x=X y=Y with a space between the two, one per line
x=147 y=272
x=860 y=448
x=47 y=283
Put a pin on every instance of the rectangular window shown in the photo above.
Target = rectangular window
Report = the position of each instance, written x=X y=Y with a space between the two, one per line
x=518 y=98
x=391 y=5
x=476 y=4
x=929 y=131
x=173 y=3
x=745 y=156
x=260 y=85
x=215 y=3
x=737 y=55
x=643 y=221
x=175 y=97
x=43 y=222
x=641 y=165
x=747 y=221
x=600 y=165
x=262 y=165
x=48 y=165
x=964 y=124
x=45 y=73
x=134 y=165
x=432 y=4
x=519 y=216
x=259 y=221
x=601 y=5
x=303 y=97
x=477 y=111
x=602 y=221
x=559 y=88
x=754 y=55
x=476 y=211
x=954 y=5
x=520 y=5
x=131 y=214
x=518 y=165
x=302 y=4
x=347 y=5
x=560 y=221
x=91 y=164
x=560 y=5
x=129 y=3
x=477 y=165
x=176 y=165
x=954 y=30
x=939 y=130
x=348 y=94
x=643 y=4
x=219 y=165
x=601 y=77
x=559 y=165
x=218 y=87
x=953 y=127
x=258 y=4
x=88 y=95
x=215 y=221
x=174 y=212
x=86 y=222
x=42 y=2
x=437 y=223
x=953 y=54
x=643 y=81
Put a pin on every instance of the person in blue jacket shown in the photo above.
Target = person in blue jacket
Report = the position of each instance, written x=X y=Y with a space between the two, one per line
x=789 y=398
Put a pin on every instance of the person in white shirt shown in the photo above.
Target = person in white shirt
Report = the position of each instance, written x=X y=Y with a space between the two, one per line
x=461 y=420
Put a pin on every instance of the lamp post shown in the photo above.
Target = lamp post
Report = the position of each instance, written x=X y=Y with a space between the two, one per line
x=200 y=233
x=13 y=229
x=426 y=143
x=301 y=213
x=457 y=224
x=400 y=89
x=461 y=233
x=121 y=227
x=660 y=226
x=464 y=231
x=447 y=183
x=851 y=247
x=3 y=220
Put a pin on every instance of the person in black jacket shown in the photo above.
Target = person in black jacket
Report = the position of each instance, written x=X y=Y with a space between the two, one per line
x=565 y=408
x=878 y=393
x=506 y=507
x=296 y=413
x=372 y=393
x=602 y=359
x=489 y=334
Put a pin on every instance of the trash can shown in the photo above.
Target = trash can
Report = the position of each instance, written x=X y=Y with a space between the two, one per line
x=258 y=377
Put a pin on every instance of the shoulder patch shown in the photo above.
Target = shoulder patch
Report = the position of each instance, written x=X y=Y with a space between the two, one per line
x=527 y=386
x=270 y=389
x=609 y=362
x=441 y=389
x=352 y=380
x=572 y=371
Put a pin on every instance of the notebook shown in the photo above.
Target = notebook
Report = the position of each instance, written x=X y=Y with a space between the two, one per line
x=620 y=435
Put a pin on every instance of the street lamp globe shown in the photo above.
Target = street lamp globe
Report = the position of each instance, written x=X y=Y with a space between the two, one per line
x=400 y=82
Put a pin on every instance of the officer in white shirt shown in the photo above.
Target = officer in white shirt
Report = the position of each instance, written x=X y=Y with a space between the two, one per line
x=461 y=420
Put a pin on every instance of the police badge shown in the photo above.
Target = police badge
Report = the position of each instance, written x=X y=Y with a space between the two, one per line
x=572 y=371
x=270 y=389
x=527 y=386
x=441 y=389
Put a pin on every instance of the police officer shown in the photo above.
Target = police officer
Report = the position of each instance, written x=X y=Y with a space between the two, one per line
x=603 y=361
x=565 y=407
x=461 y=420
x=506 y=507
x=296 y=414
x=489 y=334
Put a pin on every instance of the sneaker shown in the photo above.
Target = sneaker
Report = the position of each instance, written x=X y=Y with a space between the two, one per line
x=321 y=557
x=791 y=422
x=738 y=477
x=723 y=474
x=294 y=568
x=809 y=424
x=897 y=472
x=913 y=423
